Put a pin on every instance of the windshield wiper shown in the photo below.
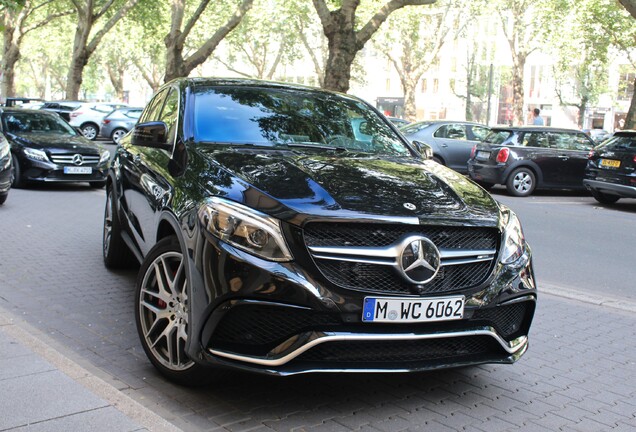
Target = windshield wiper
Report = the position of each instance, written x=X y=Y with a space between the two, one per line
x=314 y=146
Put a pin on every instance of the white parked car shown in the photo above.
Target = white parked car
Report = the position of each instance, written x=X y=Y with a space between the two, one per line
x=88 y=117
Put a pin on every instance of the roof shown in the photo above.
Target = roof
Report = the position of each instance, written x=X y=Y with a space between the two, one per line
x=531 y=128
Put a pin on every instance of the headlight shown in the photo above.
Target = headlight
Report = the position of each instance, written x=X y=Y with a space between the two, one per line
x=245 y=229
x=514 y=241
x=104 y=156
x=35 y=154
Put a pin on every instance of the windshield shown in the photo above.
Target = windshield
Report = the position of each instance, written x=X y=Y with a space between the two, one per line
x=620 y=143
x=293 y=118
x=28 y=122
x=497 y=136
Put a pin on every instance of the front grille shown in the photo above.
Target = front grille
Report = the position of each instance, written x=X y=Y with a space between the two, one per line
x=67 y=159
x=361 y=235
x=405 y=351
x=375 y=278
x=383 y=279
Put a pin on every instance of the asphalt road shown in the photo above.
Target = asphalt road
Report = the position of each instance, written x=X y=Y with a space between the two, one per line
x=578 y=375
x=578 y=243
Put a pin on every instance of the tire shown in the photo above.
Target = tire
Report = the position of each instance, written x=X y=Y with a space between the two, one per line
x=90 y=131
x=438 y=160
x=161 y=315
x=97 y=184
x=115 y=251
x=117 y=134
x=521 y=182
x=16 y=174
x=604 y=198
x=3 y=197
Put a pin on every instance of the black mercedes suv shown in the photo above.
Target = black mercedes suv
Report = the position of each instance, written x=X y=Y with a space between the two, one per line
x=283 y=229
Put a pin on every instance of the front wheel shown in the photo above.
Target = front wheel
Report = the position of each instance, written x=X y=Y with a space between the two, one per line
x=117 y=135
x=521 y=182
x=16 y=174
x=115 y=251
x=162 y=314
x=604 y=198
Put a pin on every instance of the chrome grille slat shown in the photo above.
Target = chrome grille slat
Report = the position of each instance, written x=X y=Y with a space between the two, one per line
x=67 y=159
x=365 y=257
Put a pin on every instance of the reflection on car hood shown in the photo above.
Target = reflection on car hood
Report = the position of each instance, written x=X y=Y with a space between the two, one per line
x=348 y=186
x=56 y=143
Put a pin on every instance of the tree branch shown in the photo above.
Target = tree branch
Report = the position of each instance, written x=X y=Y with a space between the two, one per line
x=323 y=13
x=104 y=9
x=364 y=34
x=92 y=46
x=229 y=67
x=193 y=20
x=47 y=20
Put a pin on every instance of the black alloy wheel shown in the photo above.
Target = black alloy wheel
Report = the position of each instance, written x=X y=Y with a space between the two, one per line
x=115 y=251
x=521 y=182
x=162 y=315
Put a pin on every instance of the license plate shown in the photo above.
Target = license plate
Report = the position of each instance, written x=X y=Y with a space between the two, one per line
x=610 y=163
x=483 y=155
x=77 y=170
x=409 y=310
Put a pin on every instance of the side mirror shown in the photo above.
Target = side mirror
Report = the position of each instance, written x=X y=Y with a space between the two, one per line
x=151 y=134
x=425 y=150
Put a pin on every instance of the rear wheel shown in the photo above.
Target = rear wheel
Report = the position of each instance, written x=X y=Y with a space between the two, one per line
x=115 y=251
x=162 y=314
x=438 y=160
x=117 y=135
x=521 y=182
x=89 y=130
x=3 y=197
x=604 y=198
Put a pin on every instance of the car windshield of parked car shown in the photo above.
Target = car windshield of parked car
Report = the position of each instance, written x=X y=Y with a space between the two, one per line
x=497 y=136
x=291 y=118
x=619 y=142
x=27 y=122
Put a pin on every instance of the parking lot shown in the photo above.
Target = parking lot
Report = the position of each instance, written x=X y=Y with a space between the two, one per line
x=578 y=375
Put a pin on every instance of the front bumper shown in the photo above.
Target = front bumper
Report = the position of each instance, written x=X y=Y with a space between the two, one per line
x=46 y=171
x=278 y=318
x=610 y=188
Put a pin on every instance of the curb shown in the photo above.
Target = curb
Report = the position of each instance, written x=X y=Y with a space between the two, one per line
x=586 y=297
x=40 y=344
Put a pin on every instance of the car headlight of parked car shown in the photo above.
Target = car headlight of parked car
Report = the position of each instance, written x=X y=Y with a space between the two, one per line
x=35 y=154
x=245 y=229
x=104 y=156
x=514 y=245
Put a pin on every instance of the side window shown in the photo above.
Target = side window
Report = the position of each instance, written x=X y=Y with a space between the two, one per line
x=561 y=141
x=170 y=113
x=480 y=133
x=151 y=113
x=535 y=139
x=582 y=142
x=451 y=131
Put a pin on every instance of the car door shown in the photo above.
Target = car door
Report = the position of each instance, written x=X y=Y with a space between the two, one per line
x=572 y=150
x=129 y=158
x=536 y=147
x=455 y=147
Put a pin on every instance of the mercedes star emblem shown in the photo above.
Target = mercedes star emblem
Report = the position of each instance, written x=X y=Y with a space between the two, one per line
x=78 y=159
x=420 y=261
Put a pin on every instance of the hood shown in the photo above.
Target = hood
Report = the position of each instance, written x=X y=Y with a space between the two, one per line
x=56 y=143
x=351 y=186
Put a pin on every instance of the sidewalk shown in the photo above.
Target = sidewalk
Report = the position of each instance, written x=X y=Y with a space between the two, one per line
x=43 y=390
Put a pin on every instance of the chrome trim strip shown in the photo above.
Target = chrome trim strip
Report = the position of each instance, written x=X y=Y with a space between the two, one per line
x=315 y=339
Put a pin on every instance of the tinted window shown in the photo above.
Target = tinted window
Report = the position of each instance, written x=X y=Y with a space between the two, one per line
x=170 y=113
x=414 y=127
x=151 y=113
x=451 y=131
x=269 y=116
x=497 y=136
x=568 y=141
x=35 y=123
x=480 y=132
x=536 y=139
x=620 y=143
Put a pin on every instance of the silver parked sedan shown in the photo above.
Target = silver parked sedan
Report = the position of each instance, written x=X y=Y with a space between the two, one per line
x=117 y=124
x=451 y=141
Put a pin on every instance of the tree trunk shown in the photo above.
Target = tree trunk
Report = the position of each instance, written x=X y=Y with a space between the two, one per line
x=80 y=56
x=630 y=120
x=10 y=56
x=342 y=52
x=116 y=75
x=582 y=108
x=517 y=93
x=410 y=110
